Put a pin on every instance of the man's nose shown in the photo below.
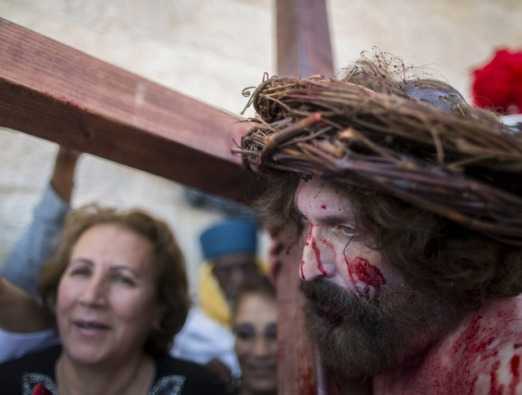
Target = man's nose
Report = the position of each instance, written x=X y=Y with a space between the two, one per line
x=318 y=259
x=95 y=291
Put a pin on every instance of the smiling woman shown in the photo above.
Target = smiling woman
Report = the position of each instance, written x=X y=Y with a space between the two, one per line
x=118 y=288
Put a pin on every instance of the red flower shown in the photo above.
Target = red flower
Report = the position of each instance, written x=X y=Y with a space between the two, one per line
x=498 y=84
x=39 y=389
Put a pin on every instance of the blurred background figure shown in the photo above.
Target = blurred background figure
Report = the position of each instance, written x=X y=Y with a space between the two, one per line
x=23 y=263
x=24 y=325
x=117 y=286
x=255 y=329
x=230 y=250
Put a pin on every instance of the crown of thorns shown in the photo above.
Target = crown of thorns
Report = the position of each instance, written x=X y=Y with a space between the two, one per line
x=463 y=165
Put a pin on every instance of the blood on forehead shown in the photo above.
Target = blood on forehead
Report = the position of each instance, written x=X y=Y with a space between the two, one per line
x=321 y=202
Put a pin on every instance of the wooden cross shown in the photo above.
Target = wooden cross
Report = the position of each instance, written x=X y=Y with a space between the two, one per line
x=61 y=94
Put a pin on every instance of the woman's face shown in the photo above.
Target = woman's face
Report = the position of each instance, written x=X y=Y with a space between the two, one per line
x=106 y=302
x=255 y=327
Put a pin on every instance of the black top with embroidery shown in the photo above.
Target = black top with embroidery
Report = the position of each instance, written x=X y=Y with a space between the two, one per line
x=173 y=376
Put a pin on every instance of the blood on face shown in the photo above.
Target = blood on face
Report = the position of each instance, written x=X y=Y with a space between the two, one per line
x=310 y=242
x=366 y=277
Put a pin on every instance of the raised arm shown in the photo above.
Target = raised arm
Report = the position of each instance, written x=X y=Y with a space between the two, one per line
x=24 y=262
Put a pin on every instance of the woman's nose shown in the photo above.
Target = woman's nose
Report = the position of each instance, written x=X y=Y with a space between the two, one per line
x=261 y=347
x=318 y=259
x=94 y=292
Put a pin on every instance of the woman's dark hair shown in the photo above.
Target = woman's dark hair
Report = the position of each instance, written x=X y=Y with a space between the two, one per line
x=171 y=280
x=259 y=285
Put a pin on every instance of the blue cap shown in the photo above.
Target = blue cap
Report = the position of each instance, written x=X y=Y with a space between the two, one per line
x=232 y=236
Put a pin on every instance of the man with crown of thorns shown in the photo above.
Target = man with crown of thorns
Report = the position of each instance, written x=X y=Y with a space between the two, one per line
x=409 y=205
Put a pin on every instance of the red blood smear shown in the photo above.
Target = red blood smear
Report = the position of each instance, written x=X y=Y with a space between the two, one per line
x=317 y=253
x=360 y=269
x=495 y=388
x=328 y=244
x=515 y=364
x=301 y=270
x=39 y=389
x=308 y=237
x=468 y=339
x=306 y=381
x=474 y=344
x=323 y=206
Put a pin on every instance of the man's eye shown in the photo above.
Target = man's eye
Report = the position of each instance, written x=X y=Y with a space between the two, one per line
x=303 y=221
x=346 y=229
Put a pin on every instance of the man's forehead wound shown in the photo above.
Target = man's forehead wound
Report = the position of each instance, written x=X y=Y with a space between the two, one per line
x=322 y=189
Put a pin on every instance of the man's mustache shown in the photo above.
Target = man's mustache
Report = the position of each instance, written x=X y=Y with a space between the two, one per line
x=335 y=304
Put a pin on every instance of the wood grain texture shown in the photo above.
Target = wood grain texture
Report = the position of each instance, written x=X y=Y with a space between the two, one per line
x=296 y=359
x=303 y=38
x=303 y=49
x=60 y=94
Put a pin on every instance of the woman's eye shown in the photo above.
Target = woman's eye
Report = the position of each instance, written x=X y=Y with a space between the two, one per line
x=271 y=331
x=245 y=332
x=124 y=280
x=80 y=271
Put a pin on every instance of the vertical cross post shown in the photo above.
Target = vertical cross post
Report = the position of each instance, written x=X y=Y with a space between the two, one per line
x=303 y=49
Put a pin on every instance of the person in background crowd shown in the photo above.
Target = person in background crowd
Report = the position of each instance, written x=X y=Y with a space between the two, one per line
x=254 y=323
x=25 y=260
x=230 y=250
x=24 y=326
x=118 y=289
x=203 y=340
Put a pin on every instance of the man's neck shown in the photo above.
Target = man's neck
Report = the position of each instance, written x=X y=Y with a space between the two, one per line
x=480 y=355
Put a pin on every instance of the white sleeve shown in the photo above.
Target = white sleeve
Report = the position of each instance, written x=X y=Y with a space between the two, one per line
x=14 y=345
x=202 y=339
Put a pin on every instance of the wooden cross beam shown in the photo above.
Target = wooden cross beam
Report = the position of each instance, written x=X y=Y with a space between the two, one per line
x=53 y=91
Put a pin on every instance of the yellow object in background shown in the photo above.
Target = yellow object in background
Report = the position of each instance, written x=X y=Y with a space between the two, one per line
x=211 y=299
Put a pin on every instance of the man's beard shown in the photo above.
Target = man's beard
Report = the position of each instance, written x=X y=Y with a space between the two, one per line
x=359 y=338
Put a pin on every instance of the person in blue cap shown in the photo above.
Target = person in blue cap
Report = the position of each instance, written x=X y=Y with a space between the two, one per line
x=230 y=250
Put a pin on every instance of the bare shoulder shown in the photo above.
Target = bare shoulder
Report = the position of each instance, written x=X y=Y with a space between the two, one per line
x=484 y=353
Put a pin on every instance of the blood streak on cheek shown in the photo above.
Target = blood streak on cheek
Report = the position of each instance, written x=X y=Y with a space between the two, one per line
x=310 y=243
x=319 y=263
x=359 y=269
